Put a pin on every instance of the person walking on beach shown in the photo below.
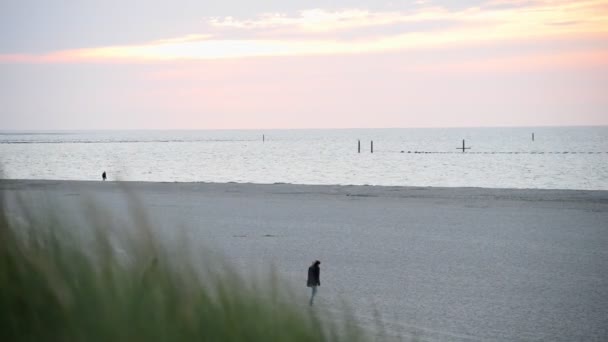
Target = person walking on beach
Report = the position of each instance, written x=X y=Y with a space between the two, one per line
x=314 y=279
x=103 y=176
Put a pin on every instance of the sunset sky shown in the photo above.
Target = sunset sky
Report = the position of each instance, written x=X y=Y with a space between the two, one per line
x=192 y=64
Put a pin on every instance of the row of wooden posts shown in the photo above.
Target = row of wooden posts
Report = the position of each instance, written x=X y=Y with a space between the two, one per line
x=463 y=148
x=371 y=146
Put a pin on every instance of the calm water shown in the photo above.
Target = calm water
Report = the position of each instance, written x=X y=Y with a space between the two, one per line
x=559 y=158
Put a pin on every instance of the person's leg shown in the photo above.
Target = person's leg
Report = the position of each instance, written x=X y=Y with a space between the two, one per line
x=312 y=296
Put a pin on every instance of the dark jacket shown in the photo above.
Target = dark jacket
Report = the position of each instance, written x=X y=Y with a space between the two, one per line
x=314 y=273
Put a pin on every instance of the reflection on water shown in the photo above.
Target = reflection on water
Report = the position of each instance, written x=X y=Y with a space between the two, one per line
x=566 y=158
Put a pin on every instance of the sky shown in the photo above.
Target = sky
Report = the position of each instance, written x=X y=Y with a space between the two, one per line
x=192 y=64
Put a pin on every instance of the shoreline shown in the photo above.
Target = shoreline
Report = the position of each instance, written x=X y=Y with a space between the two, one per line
x=384 y=191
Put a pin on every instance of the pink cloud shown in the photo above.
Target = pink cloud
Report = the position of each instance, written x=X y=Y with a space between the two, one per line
x=539 y=20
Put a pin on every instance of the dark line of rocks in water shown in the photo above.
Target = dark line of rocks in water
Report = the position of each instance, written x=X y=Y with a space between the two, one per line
x=119 y=141
x=440 y=152
x=244 y=140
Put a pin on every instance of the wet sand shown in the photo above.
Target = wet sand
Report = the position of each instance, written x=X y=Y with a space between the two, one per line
x=446 y=264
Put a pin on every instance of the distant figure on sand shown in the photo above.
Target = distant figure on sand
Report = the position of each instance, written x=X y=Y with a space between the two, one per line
x=103 y=176
x=314 y=279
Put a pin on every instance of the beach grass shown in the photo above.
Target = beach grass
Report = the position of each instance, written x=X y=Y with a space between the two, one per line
x=107 y=279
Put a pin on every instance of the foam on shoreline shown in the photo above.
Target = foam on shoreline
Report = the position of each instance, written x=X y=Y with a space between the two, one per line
x=413 y=192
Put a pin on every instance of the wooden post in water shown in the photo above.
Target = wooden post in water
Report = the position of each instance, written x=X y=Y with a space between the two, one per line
x=463 y=148
x=358 y=146
x=372 y=146
x=532 y=136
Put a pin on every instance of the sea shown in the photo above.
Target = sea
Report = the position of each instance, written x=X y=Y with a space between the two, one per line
x=521 y=157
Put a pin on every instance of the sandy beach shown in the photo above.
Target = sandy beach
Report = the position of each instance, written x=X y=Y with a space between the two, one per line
x=448 y=264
